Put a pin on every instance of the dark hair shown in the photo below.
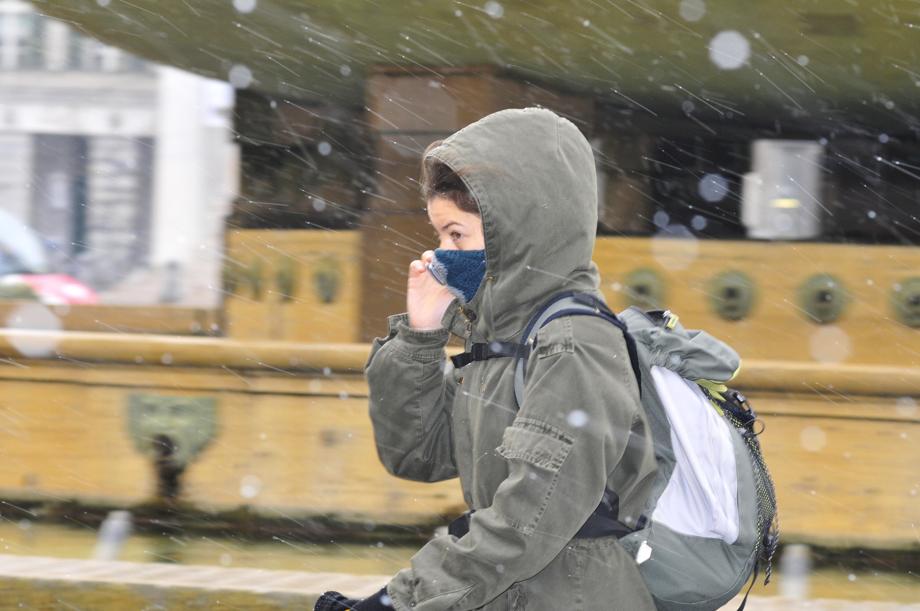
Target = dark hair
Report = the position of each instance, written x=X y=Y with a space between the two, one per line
x=439 y=180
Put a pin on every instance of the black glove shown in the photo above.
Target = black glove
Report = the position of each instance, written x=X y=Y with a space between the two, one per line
x=334 y=601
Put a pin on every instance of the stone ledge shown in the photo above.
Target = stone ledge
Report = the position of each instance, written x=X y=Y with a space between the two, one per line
x=41 y=582
x=775 y=603
x=184 y=576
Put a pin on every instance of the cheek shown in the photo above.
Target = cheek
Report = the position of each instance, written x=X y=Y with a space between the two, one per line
x=480 y=240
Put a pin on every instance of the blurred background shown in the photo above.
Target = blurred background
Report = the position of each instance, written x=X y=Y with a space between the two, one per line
x=207 y=209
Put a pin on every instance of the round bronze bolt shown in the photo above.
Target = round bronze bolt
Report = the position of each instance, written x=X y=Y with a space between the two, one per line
x=644 y=288
x=905 y=300
x=823 y=298
x=732 y=295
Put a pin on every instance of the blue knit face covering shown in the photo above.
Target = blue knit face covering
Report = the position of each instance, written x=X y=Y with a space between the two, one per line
x=460 y=270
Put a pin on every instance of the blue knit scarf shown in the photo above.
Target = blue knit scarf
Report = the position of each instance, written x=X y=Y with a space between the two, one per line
x=460 y=270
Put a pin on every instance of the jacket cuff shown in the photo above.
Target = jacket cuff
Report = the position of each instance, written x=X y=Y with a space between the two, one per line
x=417 y=338
x=403 y=594
x=395 y=601
x=416 y=344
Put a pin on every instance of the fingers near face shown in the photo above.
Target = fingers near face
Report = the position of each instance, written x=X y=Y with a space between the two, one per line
x=417 y=267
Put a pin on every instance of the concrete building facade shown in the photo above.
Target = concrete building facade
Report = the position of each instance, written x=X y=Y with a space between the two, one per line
x=124 y=168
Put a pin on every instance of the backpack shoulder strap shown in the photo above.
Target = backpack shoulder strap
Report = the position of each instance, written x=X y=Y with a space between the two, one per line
x=567 y=304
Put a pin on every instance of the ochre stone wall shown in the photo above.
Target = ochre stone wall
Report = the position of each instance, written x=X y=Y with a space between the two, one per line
x=294 y=439
x=295 y=442
x=777 y=327
x=295 y=285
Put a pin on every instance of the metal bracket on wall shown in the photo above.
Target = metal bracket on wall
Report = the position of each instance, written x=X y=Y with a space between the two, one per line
x=732 y=294
x=823 y=298
x=644 y=288
x=286 y=278
x=327 y=279
x=254 y=280
x=905 y=299
x=178 y=426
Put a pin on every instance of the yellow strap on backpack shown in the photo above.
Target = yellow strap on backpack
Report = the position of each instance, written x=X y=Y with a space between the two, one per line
x=737 y=371
x=715 y=390
x=670 y=319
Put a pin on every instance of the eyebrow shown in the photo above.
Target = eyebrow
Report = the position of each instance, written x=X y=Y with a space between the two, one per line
x=445 y=227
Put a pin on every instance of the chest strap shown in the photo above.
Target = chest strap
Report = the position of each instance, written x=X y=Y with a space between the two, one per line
x=571 y=303
x=491 y=350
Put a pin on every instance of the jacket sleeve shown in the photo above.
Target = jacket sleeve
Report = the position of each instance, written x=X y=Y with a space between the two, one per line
x=410 y=399
x=571 y=432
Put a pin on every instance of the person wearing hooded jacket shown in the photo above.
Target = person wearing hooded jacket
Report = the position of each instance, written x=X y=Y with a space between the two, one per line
x=531 y=474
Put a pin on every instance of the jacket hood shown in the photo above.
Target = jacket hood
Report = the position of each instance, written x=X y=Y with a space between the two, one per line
x=533 y=174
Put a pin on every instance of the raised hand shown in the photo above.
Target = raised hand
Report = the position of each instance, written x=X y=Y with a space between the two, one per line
x=426 y=299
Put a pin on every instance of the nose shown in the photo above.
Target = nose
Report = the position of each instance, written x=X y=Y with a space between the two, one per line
x=447 y=244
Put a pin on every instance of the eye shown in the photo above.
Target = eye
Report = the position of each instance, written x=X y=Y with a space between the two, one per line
x=455 y=235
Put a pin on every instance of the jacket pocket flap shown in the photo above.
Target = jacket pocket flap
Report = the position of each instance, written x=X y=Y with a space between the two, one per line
x=537 y=448
x=555 y=338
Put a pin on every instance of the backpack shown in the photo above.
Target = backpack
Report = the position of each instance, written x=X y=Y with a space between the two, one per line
x=710 y=520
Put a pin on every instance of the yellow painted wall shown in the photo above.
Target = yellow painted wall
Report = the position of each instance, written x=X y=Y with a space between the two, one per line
x=300 y=315
x=302 y=442
x=844 y=461
x=867 y=332
x=845 y=467
x=777 y=328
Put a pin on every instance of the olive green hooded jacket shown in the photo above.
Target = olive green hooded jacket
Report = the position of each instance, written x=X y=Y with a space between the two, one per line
x=533 y=473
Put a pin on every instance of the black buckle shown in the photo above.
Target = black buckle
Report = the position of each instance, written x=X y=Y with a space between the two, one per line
x=461 y=525
x=485 y=351
x=461 y=360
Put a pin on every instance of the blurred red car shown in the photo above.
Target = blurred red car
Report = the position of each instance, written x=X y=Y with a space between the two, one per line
x=54 y=289
x=24 y=272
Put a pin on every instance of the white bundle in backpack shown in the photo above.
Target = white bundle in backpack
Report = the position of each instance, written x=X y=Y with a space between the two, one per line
x=701 y=498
